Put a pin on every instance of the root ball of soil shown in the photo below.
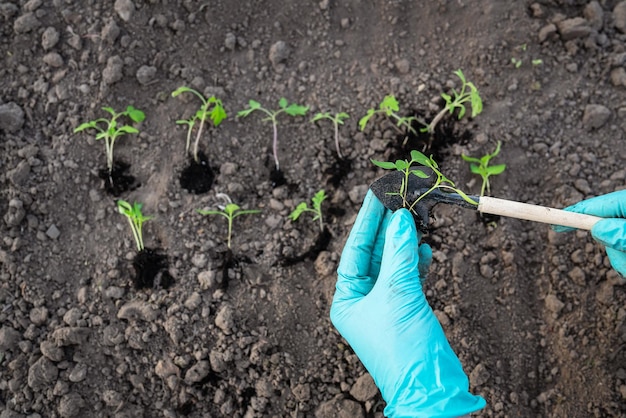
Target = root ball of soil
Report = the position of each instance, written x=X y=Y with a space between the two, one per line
x=197 y=177
x=151 y=270
x=117 y=181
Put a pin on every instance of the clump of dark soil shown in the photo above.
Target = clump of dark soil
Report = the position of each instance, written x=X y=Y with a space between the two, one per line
x=338 y=170
x=198 y=176
x=117 y=181
x=151 y=270
x=320 y=244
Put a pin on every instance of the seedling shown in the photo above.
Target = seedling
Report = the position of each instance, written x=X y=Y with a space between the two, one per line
x=516 y=62
x=135 y=219
x=469 y=93
x=111 y=131
x=290 y=109
x=316 y=210
x=406 y=167
x=211 y=108
x=481 y=167
x=230 y=212
x=337 y=120
x=390 y=108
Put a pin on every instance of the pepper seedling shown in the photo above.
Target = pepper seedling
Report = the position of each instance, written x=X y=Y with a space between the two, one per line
x=337 y=119
x=135 y=218
x=316 y=210
x=469 y=93
x=211 y=108
x=284 y=107
x=111 y=131
x=406 y=167
x=390 y=108
x=481 y=167
x=230 y=212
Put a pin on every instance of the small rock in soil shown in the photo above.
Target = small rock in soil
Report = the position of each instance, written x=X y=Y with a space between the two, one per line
x=145 y=74
x=42 y=374
x=26 y=23
x=595 y=116
x=71 y=405
x=9 y=338
x=19 y=175
x=225 y=318
x=11 y=117
x=124 y=9
x=553 y=304
x=619 y=16
x=479 y=375
x=137 y=310
x=279 y=52
x=364 y=388
x=573 y=28
x=49 y=38
x=197 y=372
x=112 y=73
x=340 y=408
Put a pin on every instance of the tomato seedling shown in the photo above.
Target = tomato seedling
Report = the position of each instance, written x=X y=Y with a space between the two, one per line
x=284 y=107
x=316 y=210
x=111 y=131
x=481 y=167
x=406 y=167
x=230 y=212
x=469 y=93
x=135 y=218
x=337 y=119
x=211 y=108
x=390 y=108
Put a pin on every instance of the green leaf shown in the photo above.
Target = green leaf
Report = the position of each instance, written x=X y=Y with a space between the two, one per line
x=461 y=111
x=474 y=168
x=470 y=159
x=84 y=126
x=341 y=117
x=282 y=103
x=447 y=98
x=296 y=110
x=476 y=102
x=110 y=110
x=420 y=174
x=387 y=165
x=320 y=116
x=299 y=210
x=231 y=208
x=401 y=165
x=246 y=212
x=318 y=198
x=496 y=169
x=466 y=197
x=180 y=90
x=363 y=121
x=135 y=114
x=460 y=74
x=254 y=104
x=419 y=158
x=128 y=129
x=390 y=103
x=218 y=114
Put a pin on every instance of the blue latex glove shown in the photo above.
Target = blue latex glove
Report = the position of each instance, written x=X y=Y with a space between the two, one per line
x=610 y=232
x=380 y=309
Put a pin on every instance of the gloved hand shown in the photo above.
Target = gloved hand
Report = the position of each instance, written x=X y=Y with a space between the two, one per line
x=380 y=309
x=610 y=232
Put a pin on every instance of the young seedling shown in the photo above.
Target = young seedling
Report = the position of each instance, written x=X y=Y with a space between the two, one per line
x=211 y=108
x=406 y=167
x=469 y=93
x=390 y=108
x=316 y=210
x=481 y=167
x=337 y=119
x=135 y=219
x=230 y=212
x=109 y=130
x=284 y=107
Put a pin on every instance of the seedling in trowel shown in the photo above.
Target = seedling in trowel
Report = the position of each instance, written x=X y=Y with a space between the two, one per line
x=390 y=108
x=110 y=129
x=406 y=167
x=337 y=120
x=272 y=115
x=481 y=167
x=230 y=212
x=135 y=218
x=211 y=108
x=457 y=100
x=316 y=210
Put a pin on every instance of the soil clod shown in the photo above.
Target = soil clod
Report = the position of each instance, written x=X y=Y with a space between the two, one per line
x=197 y=177
x=117 y=181
x=151 y=270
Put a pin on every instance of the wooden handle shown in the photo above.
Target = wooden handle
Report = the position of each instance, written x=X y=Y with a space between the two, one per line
x=536 y=213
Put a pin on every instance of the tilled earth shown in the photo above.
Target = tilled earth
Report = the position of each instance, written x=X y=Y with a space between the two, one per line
x=537 y=318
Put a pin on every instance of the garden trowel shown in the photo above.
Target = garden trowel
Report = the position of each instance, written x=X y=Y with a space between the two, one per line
x=387 y=190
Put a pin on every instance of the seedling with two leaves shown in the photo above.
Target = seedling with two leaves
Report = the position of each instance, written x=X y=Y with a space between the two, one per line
x=272 y=116
x=337 y=119
x=457 y=100
x=211 y=108
x=110 y=129
x=481 y=167
x=230 y=212
x=389 y=107
x=136 y=219
x=316 y=209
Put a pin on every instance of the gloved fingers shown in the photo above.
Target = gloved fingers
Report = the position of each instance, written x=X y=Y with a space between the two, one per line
x=611 y=205
x=425 y=259
x=618 y=260
x=612 y=234
x=355 y=278
x=400 y=263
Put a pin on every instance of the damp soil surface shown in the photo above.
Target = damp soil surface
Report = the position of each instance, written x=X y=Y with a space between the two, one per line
x=537 y=319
